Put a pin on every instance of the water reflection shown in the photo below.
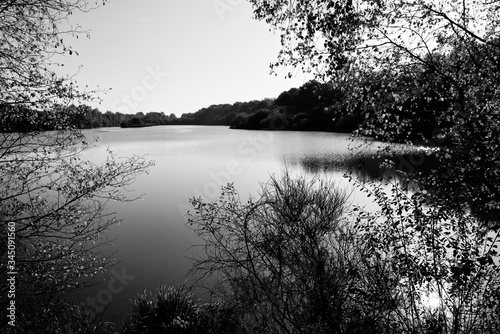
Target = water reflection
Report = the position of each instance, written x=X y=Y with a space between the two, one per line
x=447 y=178
x=153 y=242
x=367 y=167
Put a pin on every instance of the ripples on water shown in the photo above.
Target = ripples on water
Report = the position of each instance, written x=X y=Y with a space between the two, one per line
x=153 y=243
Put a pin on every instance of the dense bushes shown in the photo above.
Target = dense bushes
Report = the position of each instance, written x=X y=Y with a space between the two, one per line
x=441 y=259
x=299 y=259
x=292 y=261
x=176 y=310
x=289 y=262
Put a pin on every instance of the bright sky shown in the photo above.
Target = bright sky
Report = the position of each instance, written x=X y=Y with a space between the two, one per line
x=176 y=56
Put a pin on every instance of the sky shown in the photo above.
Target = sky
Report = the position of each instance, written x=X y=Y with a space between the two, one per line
x=175 y=56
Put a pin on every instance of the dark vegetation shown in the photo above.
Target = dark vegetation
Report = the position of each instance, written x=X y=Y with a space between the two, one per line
x=397 y=107
x=298 y=258
x=318 y=265
x=314 y=106
x=53 y=214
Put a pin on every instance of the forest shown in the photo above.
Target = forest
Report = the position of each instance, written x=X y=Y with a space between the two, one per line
x=314 y=106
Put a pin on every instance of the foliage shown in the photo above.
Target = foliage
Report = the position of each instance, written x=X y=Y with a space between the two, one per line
x=175 y=310
x=332 y=37
x=50 y=196
x=443 y=262
x=289 y=262
x=31 y=36
x=413 y=69
x=419 y=66
x=56 y=201
x=313 y=106
x=55 y=315
x=472 y=154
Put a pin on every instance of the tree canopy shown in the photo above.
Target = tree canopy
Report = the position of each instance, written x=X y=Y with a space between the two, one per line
x=332 y=37
x=420 y=71
x=31 y=36
x=52 y=201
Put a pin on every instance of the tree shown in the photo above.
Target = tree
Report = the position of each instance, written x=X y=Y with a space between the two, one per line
x=31 y=36
x=332 y=37
x=390 y=56
x=442 y=262
x=408 y=65
x=288 y=262
x=52 y=202
x=136 y=121
x=389 y=42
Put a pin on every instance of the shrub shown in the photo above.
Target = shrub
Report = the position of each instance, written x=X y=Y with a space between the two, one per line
x=442 y=261
x=176 y=310
x=289 y=262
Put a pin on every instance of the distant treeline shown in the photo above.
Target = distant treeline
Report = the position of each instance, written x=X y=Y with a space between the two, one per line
x=327 y=107
x=312 y=107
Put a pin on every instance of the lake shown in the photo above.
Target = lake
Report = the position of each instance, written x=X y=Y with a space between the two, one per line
x=152 y=242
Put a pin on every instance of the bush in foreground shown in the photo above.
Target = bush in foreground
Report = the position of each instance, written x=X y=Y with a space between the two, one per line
x=289 y=262
x=176 y=310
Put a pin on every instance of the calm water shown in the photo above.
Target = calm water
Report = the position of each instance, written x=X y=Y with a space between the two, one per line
x=153 y=243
